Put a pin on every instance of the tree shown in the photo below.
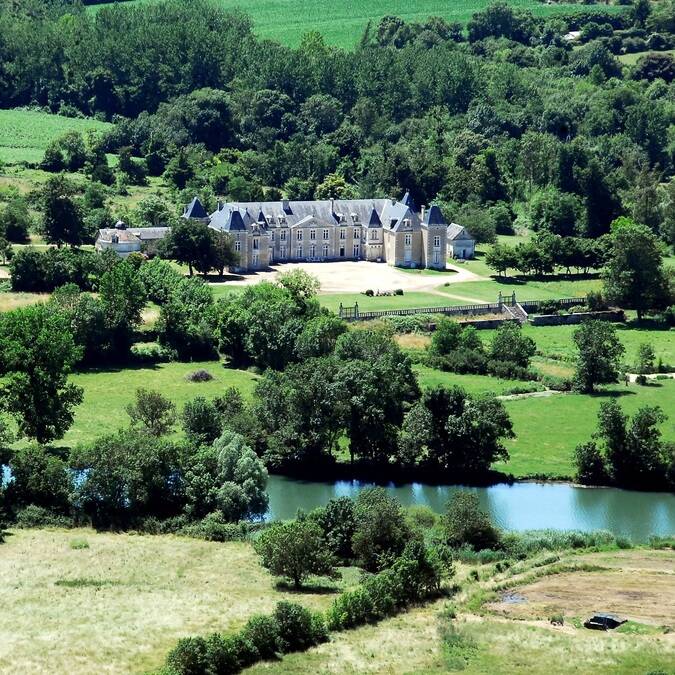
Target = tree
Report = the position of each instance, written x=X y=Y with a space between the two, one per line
x=645 y=358
x=599 y=354
x=634 y=276
x=590 y=464
x=465 y=523
x=40 y=478
x=510 y=345
x=189 y=243
x=226 y=477
x=37 y=352
x=500 y=258
x=61 y=214
x=201 y=421
x=15 y=221
x=381 y=530
x=295 y=550
x=152 y=413
x=338 y=521
x=319 y=335
x=127 y=476
x=334 y=186
x=123 y=297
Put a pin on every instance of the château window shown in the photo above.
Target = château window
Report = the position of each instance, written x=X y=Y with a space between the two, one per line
x=312 y=234
x=299 y=235
x=298 y=252
x=437 y=241
x=256 y=244
x=283 y=235
x=272 y=236
x=325 y=250
x=237 y=246
x=356 y=250
x=325 y=234
x=408 y=239
x=343 y=233
x=356 y=233
x=373 y=235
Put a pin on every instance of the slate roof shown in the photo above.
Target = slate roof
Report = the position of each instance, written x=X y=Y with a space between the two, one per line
x=434 y=216
x=227 y=220
x=123 y=236
x=149 y=233
x=387 y=213
x=195 y=209
x=456 y=231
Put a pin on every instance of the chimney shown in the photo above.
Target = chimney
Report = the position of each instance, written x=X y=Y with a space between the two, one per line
x=424 y=208
x=219 y=205
x=285 y=205
x=332 y=204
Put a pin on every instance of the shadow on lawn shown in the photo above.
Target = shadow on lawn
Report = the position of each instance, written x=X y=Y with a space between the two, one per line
x=307 y=589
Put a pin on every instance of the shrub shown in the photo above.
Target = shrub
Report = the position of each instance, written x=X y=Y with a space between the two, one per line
x=227 y=654
x=298 y=628
x=189 y=656
x=350 y=609
x=37 y=516
x=466 y=523
x=370 y=293
x=262 y=632
x=214 y=527
x=557 y=619
x=641 y=380
x=200 y=375
x=78 y=544
x=201 y=421
x=595 y=301
x=398 y=291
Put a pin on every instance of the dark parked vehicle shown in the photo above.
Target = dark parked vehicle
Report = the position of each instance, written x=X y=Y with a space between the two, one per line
x=603 y=621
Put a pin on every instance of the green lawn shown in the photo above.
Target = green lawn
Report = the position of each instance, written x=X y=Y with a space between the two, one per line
x=474 y=384
x=557 y=342
x=24 y=134
x=632 y=59
x=548 y=429
x=413 y=299
x=342 y=22
x=108 y=392
x=530 y=290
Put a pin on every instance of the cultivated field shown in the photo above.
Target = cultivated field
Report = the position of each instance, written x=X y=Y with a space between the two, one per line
x=24 y=134
x=342 y=22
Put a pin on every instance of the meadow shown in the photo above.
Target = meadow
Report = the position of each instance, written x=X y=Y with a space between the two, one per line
x=108 y=392
x=82 y=602
x=343 y=22
x=25 y=134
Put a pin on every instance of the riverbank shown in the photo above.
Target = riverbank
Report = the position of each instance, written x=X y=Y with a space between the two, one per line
x=517 y=506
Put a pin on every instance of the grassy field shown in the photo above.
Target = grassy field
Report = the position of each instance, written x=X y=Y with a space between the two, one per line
x=342 y=22
x=548 y=429
x=24 y=134
x=488 y=291
x=120 y=604
x=411 y=299
x=632 y=59
x=82 y=602
x=108 y=392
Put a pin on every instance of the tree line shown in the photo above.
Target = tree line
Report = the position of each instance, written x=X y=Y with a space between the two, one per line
x=488 y=115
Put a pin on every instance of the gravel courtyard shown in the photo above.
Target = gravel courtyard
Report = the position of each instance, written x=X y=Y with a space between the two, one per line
x=358 y=276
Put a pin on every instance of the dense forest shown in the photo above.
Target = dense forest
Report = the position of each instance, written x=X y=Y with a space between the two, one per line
x=481 y=118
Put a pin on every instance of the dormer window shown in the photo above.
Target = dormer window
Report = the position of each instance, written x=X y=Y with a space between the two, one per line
x=355 y=217
x=406 y=223
x=341 y=217
x=270 y=220
x=282 y=219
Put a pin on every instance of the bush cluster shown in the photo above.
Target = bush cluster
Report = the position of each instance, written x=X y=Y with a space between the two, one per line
x=414 y=576
x=290 y=628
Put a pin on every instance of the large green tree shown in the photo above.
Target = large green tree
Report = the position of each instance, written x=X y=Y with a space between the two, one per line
x=599 y=352
x=634 y=276
x=37 y=352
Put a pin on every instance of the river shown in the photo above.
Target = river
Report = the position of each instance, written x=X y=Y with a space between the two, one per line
x=521 y=506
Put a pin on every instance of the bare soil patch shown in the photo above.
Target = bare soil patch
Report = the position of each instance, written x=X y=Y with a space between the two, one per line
x=640 y=587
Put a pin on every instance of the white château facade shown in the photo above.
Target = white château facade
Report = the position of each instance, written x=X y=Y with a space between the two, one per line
x=383 y=230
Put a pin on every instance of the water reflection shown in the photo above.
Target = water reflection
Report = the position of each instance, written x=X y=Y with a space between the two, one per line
x=522 y=506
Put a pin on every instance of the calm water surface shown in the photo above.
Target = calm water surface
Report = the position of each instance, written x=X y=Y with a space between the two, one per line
x=521 y=506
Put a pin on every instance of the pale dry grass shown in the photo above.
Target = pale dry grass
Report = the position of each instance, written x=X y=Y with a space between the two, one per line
x=10 y=300
x=151 y=591
x=413 y=340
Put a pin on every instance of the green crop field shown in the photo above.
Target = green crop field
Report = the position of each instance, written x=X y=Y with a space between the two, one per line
x=342 y=22
x=24 y=134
